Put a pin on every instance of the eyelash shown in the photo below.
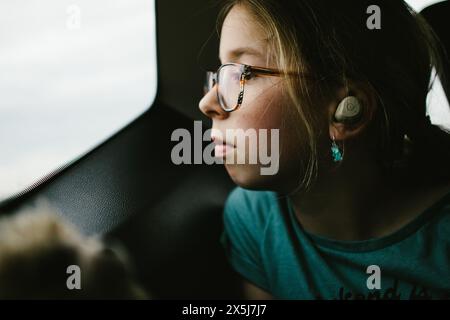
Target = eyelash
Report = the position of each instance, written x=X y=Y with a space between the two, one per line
x=251 y=76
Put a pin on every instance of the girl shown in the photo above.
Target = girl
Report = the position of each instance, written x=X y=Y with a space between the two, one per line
x=360 y=205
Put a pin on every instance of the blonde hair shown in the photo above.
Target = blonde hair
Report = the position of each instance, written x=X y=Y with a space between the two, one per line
x=330 y=40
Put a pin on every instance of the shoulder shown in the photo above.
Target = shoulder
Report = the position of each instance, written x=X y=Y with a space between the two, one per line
x=251 y=199
x=247 y=217
x=248 y=206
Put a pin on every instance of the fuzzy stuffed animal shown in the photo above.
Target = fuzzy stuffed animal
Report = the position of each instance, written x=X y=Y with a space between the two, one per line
x=42 y=256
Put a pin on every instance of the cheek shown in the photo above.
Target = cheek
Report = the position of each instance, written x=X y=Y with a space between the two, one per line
x=263 y=116
x=274 y=114
x=271 y=111
x=263 y=111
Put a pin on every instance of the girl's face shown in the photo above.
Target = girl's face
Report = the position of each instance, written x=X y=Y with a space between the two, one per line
x=243 y=41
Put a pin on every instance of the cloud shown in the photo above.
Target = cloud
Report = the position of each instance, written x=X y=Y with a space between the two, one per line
x=66 y=90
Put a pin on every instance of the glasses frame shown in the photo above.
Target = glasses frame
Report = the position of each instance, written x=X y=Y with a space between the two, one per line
x=212 y=80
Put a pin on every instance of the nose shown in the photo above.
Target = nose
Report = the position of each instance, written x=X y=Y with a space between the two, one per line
x=210 y=106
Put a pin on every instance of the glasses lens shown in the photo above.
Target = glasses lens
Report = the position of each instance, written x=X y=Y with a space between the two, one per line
x=229 y=86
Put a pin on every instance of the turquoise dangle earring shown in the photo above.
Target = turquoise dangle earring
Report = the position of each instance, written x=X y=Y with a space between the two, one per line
x=335 y=152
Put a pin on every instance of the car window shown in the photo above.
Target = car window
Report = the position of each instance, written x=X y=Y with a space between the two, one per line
x=419 y=5
x=437 y=104
x=438 y=107
x=73 y=73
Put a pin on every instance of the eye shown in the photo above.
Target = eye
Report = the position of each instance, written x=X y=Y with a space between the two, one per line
x=250 y=75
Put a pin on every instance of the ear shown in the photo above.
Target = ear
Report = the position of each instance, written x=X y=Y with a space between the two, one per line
x=366 y=96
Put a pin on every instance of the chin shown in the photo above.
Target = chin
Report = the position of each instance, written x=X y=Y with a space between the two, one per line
x=249 y=177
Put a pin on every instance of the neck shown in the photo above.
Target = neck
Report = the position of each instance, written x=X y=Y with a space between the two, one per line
x=355 y=203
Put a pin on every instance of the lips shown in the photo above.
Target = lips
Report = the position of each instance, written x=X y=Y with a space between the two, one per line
x=222 y=148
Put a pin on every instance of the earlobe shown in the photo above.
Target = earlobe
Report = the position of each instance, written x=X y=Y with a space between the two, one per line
x=338 y=131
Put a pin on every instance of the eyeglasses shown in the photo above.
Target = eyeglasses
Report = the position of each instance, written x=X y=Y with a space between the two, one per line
x=230 y=79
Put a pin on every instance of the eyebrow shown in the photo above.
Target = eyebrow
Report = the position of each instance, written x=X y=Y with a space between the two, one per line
x=239 y=52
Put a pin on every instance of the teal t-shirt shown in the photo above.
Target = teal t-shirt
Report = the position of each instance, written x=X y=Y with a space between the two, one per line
x=266 y=244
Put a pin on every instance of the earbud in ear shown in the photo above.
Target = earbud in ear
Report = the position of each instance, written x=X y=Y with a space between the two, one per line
x=349 y=110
